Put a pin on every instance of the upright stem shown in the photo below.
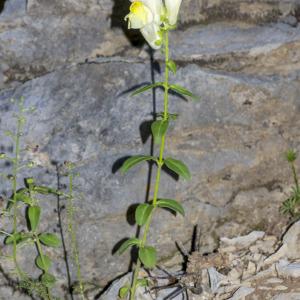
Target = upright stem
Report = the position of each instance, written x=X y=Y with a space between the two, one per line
x=15 y=174
x=160 y=164
x=72 y=233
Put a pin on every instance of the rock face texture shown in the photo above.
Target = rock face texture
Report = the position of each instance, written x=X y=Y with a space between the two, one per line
x=75 y=63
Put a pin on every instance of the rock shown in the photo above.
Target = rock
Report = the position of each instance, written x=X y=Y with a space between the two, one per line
x=243 y=242
x=241 y=293
x=289 y=270
x=290 y=245
x=287 y=296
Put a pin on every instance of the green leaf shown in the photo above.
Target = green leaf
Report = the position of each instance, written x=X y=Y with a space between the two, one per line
x=171 y=204
x=124 y=290
x=147 y=255
x=23 y=196
x=143 y=282
x=134 y=160
x=48 y=280
x=18 y=236
x=129 y=243
x=159 y=129
x=172 y=66
x=146 y=88
x=34 y=213
x=40 y=264
x=29 y=182
x=178 y=167
x=50 y=239
x=142 y=213
x=44 y=190
x=291 y=155
x=183 y=91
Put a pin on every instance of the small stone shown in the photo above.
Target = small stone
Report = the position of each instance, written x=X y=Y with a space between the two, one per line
x=245 y=241
x=287 y=296
x=287 y=270
x=274 y=280
x=242 y=292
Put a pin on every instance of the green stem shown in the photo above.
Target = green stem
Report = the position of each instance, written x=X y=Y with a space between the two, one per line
x=160 y=164
x=16 y=162
x=41 y=254
x=72 y=233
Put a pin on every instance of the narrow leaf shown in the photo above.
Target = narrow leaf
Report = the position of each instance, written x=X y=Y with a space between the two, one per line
x=183 y=91
x=146 y=88
x=34 y=213
x=43 y=266
x=142 y=213
x=134 y=160
x=178 y=167
x=172 y=66
x=129 y=243
x=50 y=239
x=159 y=129
x=171 y=204
x=147 y=255
x=44 y=190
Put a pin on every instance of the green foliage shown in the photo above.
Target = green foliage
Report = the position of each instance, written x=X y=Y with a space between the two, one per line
x=43 y=262
x=178 y=167
x=50 y=239
x=292 y=204
x=171 y=204
x=172 y=66
x=124 y=291
x=142 y=213
x=148 y=256
x=19 y=237
x=34 y=213
x=129 y=243
x=133 y=161
x=146 y=88
x=159 y=129
x=48 y=280
x=291 y=155
x=183 y=91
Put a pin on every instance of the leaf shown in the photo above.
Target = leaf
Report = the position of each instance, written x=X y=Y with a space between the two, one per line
x=171 y=204
x=30 y=182
x=134 y=160
x=146 y=88
x=172 y=66
x=18 y=236
x=50 y=239
x=143 y=282
x=142 y=213
x=129 y=243
x=23 y=196
x=147 y=255
x=34 y=213
x=183 y=91
x=123 y=291
x=40 y=264
x=48 y=280
x=159 y=129
x=44 y=190
x=178 y=167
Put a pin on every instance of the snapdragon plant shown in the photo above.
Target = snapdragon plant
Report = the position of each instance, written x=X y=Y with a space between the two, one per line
x=154 y=19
